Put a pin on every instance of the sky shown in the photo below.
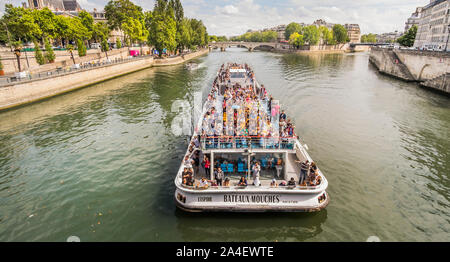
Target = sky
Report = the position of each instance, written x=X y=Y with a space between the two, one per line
x=235 y=17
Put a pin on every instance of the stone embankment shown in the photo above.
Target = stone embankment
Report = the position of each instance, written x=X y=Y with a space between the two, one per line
x=20 y=93
x=430 y=69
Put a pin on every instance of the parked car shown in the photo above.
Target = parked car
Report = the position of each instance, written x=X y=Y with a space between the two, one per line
x=95 y=45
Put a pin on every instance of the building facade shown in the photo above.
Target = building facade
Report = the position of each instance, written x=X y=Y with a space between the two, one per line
x=354 y=33
x=55 y=5
x=434 y=26
x=388 y=37
x=413 y=19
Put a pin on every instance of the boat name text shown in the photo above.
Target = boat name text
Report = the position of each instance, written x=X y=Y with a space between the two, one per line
x=251 y=198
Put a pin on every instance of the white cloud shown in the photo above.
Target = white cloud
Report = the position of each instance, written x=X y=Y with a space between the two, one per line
x=229 y=10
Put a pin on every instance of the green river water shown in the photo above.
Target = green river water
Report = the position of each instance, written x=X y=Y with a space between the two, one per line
x=99 y=163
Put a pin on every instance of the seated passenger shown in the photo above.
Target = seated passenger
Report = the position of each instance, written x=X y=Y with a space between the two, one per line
x=203 y=183
x=242 y=182
x=283 y=183
x=213 y=183
x=273 y=183
x=291 y=182
x=226 y=183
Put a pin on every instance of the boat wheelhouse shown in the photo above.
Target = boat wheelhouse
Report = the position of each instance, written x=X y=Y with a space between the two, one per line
x=244 y=155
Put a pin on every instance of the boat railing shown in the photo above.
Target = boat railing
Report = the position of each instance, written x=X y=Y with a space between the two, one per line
x=246 y=142
x=195 y=187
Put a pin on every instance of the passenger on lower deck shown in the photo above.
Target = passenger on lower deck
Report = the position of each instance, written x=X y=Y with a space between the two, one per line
x=291 y=182
x=242 y=182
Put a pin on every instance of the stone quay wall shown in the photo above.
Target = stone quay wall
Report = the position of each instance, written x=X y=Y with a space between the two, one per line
x=21 y=93
x=428 y=68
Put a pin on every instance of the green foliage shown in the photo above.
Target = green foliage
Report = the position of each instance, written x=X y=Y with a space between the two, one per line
x=218 y=38
x=87 y=20
x=81 y=47
x=100 y=31
x=292 y=28
x=45 y=19
x=162 y=32
x=184 y=34
x=21 y=23
x=340 y=34
x=296 y=40
x=118 y=43
x=135 y=30
x=266 y=36
x=326 y=35
x=408 y=38
x=38 y=54
x=104 y=45
x=311 y=35
x=49 y=53
x=118 y=11
x=369 y=38
x=1 y=64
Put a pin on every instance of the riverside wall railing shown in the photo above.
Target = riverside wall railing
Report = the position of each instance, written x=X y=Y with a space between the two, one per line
x=29 y=77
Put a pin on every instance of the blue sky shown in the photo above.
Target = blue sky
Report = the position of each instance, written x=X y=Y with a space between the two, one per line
x=234 y=17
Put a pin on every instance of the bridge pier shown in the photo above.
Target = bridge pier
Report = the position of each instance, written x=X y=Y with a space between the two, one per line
x=222 y=49
x=250 y=49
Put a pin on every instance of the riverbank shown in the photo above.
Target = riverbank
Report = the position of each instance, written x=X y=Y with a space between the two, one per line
x=22 y=93
x=430 y=69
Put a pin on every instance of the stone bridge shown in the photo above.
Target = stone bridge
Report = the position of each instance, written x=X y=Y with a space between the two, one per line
x=249 y=45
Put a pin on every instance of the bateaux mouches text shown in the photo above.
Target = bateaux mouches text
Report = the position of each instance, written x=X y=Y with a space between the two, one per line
x=239 y=198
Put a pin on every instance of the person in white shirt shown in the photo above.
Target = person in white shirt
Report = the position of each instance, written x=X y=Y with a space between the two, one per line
x=256 y=172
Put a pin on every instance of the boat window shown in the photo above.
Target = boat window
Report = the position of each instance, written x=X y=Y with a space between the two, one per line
x=237 y=75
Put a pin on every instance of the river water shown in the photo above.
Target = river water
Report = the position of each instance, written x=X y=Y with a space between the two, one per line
x=99 y=163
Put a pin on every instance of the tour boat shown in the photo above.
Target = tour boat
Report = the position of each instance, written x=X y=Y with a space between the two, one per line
x=244 y=155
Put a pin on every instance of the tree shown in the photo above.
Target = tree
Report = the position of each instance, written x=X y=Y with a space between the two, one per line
x=184 y=35
x=49 y=53
x=118 y=43
x=45 y=19
x=100 y=31
x=292 y=28
x=81 y=48
x=105 y=47
x=199 y=35
x=408 y=38
x=17 y=46
x=326 y=35
x=340 y=34
x=269 y=36
x=162 y=32
x=135 y=31
x=311 y=35
x=369 y=38
x=118 y=11
x=21 y=23
x=1 y=64
x=70 y=48
x=38 y=54
x=296 y=40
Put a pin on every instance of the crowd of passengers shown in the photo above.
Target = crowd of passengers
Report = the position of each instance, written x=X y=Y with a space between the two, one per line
x=236 y=94
x=309 y=175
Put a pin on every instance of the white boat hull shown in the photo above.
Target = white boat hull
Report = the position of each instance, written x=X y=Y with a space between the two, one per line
x=250 y=201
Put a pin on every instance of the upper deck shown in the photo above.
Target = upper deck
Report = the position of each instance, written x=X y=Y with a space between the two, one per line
x=239 y=114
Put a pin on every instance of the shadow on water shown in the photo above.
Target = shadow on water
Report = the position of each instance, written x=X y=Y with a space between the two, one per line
x=249 y=226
